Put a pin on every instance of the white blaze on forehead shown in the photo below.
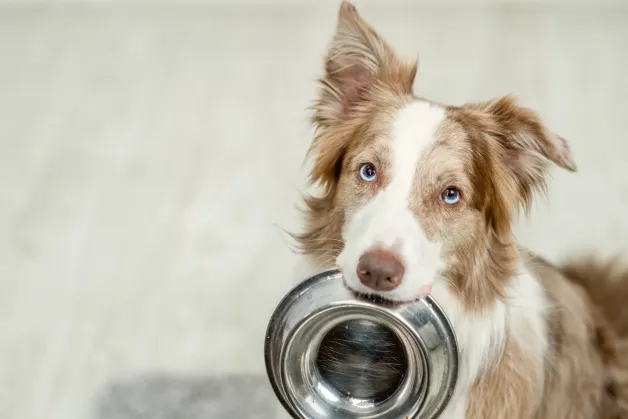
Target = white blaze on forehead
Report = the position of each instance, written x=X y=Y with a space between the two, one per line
x=414 y=130
x=386 y=220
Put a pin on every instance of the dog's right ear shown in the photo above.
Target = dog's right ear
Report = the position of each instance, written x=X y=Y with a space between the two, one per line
x=356 y=60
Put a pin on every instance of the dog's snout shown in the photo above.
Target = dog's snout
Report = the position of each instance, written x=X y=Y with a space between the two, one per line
x=380 y=270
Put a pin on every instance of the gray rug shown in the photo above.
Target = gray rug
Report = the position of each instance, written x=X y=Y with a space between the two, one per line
x=168 y=397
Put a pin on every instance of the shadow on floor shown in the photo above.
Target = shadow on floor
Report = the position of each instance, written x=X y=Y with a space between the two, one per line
x=172 y=397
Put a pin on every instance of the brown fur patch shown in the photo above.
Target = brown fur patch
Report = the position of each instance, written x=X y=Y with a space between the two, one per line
x=485 y=262
x=606 y=283
x=586 y=358
x=512 y=389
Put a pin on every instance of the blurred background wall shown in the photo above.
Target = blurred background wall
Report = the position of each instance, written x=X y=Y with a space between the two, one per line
x=152 y=152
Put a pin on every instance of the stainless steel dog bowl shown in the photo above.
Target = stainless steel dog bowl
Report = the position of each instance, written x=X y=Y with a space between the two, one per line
x=332 y=354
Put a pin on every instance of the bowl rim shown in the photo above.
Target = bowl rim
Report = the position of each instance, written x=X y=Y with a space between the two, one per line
x=274 y=367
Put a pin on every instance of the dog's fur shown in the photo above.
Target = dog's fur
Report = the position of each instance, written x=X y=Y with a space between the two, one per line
x=537 y=341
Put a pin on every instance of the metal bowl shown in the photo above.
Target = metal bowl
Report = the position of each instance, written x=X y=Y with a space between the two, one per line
x=332 y=354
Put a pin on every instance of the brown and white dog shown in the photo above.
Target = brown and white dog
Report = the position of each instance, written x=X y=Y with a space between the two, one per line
x=418 y=197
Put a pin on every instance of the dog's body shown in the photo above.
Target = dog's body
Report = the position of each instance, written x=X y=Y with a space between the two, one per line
x=419 y=198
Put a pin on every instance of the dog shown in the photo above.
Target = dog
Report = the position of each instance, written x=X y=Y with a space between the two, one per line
x=417 y=198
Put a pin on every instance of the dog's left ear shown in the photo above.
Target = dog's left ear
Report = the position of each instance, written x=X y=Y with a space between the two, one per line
x=527 y=145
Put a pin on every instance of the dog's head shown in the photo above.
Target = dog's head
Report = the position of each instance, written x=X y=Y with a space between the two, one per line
x=417 y=192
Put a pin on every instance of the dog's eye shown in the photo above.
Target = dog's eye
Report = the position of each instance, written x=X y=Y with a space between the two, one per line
x=450 y=196
x=368 y=173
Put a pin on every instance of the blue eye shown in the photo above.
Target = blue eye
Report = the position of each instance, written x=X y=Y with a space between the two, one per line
x=450 y=196
x=368 y=173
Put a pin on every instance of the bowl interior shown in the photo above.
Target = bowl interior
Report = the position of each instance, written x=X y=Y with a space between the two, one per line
x=354 y=361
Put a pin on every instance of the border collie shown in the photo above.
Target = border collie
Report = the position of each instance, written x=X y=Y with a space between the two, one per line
x=419 y=197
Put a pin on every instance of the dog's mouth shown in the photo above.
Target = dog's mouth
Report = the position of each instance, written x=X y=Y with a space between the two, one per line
x=421 y=293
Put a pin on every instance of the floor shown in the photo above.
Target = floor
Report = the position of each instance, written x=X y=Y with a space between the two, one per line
x=151 y=160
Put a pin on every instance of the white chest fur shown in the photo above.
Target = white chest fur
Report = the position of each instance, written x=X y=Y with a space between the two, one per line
x=481 y=337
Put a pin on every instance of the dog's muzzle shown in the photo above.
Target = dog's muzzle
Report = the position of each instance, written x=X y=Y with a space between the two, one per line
x=330 y=354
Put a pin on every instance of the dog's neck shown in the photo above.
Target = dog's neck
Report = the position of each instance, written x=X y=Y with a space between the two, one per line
x=480 y=277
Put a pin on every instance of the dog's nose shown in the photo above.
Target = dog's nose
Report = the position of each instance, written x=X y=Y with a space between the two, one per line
x=380 y=269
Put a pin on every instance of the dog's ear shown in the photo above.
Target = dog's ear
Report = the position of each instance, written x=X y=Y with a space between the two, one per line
x=357 y=59
x=527 y=146
x=357 y=62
